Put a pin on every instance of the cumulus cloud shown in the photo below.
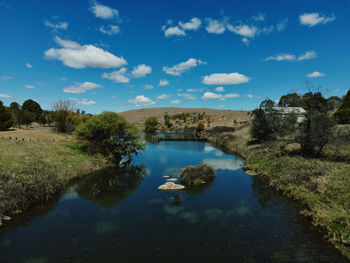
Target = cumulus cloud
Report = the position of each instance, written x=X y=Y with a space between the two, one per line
x=225 y=79
x=215 y=26
x=28 y=65
x=173 y=102
x=4 y=77
x=110 y=30
x=79 y=56
x=141 y=100
x=282 y=24
x=84 y=102
x=103 y=11
x=119 y=76
x=59 y=25
x=281 y=57
x=148 y=86
x=243 y=30
x=178 y=69
x=250 y=96
x=81 y=87
x=141 y=71
x=5 y=96
x=315 y=74
x=307 y=55
x=29 y=86
x=173 y=31
x=313 y=19
x=217 y=96
x=193 y=24
x=220 y=89
x=163 y=82
x=163 y=97
x=187 y=96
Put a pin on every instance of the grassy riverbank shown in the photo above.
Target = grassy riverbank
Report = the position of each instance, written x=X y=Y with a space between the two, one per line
x=320 y=185
x=37 y=165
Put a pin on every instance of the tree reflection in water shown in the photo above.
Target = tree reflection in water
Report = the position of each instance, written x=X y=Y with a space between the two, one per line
x=111 y=185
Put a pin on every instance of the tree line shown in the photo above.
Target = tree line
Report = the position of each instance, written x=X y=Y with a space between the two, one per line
x=316 y=128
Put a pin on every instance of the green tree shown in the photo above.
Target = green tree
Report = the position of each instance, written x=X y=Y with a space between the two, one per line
x=32 y=107
x=316 y=130
x=334 y=102
x=111 y=135
x=151 y=124
x=167 y=120
x=62 y=109
x=290 y=100
x=15 y=110
x=200 y=127
x=6 y=120
x=343 y=112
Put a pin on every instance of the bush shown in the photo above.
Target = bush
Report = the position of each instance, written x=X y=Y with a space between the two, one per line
x=316 y=130
x=6 y=120
x=63 y=109
x=111 y=135
x=34 y=110
x=343 y=113
x=151 y=124
x=200 y=127
x=167 y=120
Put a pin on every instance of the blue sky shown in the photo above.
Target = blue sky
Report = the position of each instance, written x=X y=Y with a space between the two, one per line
x=121 y=55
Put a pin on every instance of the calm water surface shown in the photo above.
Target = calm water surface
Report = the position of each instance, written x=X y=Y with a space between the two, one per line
x=121 y=216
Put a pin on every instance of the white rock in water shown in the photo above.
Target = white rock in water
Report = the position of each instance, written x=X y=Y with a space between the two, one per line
x=6 y=218
x=171 y=186
x=166 y=176
x=171 y=180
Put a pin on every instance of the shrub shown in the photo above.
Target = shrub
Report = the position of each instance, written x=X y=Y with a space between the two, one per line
x=111 y=135
x=200 y=127
x=151 y=124
x=6 y=120
x=343 y=113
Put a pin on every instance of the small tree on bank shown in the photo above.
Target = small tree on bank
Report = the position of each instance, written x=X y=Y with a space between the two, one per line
x=151 y=124
x=317 y=127
x=343 y=113
x=111 y=135
x=6 y=120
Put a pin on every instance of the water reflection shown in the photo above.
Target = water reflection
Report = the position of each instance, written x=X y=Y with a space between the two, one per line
x=224 y=163
x=112 y=185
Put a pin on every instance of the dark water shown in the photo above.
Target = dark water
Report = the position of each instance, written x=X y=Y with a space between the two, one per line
x=120 y=216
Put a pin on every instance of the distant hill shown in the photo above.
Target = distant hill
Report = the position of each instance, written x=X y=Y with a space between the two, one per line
x=219 y=117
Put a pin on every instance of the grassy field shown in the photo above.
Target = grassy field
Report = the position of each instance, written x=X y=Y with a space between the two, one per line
x=37 y=166
x=320 y=185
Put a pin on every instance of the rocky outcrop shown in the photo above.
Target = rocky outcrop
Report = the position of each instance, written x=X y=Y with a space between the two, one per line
x=197 y=175
x=169 y=186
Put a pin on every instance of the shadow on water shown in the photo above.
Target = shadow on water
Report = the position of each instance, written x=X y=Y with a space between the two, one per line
x=109 y=186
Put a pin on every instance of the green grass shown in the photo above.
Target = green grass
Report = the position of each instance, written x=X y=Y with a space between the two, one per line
x=32 y=171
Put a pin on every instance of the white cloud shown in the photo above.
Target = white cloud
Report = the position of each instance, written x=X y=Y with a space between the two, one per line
x=4 y=77
x=220 y=89
x=187 y=96
x=79 y=56
x=281 y=57
x=193 y=24
x=194 y=90
x=29 y=86
x=183 y=66
x=282 y=24
x=29 y=65
x=250 y=96
x=103 y=11
x=148 y=86
x=307 y=55
x=5 y=96
x=315 y=74
x=117 y=76
x=313 y=19
x=59 y=25
x=173 y=31
x=225 y=79
x=163 y=97
x=163 y=82
x=217 y=96
x=175 y=102
x=141 y=71
x=141 y=100
x=215 y=26
x=84 y=102
x=243 y=30
x=110 y=30
x=62 y=79
x=81 y=87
